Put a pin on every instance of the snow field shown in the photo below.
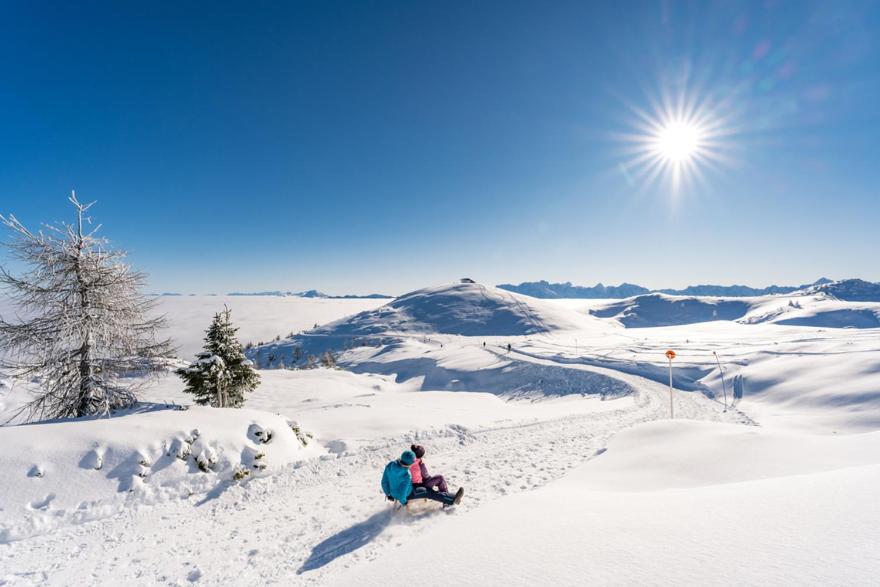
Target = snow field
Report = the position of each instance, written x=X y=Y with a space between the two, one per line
x=670 y=502
x=328 y=514
x=713 y=502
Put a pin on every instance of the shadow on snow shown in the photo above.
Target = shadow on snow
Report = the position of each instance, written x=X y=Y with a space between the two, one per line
x=347 y=541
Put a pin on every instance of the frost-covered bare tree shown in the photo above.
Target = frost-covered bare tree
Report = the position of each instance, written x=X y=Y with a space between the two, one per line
x=82 y=321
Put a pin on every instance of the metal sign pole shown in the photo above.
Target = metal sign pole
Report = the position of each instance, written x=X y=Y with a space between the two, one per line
x=670 y=354
x=723 y=385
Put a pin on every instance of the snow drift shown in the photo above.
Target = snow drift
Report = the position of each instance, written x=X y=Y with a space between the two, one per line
x=69 y=471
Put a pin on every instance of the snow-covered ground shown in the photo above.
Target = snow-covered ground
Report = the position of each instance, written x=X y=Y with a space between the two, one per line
x=669 y=503
x=573 y=472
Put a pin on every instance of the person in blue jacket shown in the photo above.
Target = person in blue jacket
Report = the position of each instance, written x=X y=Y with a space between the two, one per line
x=396 y=480
x=397 y=483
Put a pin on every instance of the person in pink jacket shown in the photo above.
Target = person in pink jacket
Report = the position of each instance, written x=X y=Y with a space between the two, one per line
x=435 y=483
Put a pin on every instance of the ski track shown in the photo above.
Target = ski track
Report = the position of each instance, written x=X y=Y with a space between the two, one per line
x=324 y=515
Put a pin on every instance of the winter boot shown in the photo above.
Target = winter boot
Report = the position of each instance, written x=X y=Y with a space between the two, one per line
x=458 y=495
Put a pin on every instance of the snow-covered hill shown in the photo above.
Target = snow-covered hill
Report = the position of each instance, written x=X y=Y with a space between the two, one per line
x=466 y=309
x=572 y=442
x=666 y=310
x=814 y=308
x=453 y=337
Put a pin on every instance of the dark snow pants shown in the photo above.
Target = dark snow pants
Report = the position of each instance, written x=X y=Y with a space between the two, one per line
x=420 y=492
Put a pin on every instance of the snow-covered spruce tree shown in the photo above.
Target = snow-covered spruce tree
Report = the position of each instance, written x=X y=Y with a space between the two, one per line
x=221 y=374
x=85 y=323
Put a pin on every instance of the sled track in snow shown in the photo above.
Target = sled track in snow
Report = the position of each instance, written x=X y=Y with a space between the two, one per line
x=323 y=515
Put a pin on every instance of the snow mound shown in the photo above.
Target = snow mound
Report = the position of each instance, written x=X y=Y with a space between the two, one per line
x=467 y=309
x=666 y=310
x=70 y=471
x=850 y=290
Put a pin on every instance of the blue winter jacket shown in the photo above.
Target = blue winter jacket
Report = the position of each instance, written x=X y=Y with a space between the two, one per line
x=397 y=481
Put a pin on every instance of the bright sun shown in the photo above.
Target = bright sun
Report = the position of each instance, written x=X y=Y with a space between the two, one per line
x=678 y=139
x=678 y=142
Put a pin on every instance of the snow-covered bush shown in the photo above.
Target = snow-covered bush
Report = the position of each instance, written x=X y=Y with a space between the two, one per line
x=328 y=360
x=303 y=437
x=260 y=434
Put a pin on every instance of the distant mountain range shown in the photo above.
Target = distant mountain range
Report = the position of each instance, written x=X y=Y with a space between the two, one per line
x=849 y=289
x=546 y=290
x=312 y=293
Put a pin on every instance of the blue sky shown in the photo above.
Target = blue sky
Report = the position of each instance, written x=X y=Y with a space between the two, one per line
x=382 y=146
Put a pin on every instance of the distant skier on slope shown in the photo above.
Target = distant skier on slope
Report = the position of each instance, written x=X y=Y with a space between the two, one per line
x=435 y=484
x=397 y=483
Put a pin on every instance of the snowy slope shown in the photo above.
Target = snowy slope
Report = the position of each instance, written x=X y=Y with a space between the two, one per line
x=303 y=525
x=467 y=309
x=453 y=337
x=666 y=310
x=670 y=503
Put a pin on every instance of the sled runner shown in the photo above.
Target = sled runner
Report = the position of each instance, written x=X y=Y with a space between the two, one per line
x=419 y=506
